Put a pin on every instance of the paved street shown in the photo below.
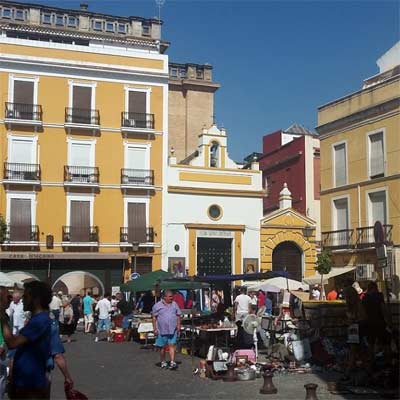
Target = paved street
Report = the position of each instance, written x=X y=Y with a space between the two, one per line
x=125 y=371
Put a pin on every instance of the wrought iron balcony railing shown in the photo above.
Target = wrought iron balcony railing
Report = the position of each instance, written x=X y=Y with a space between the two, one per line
x=366 y=237
x=26 y=112
x=79 y=174
x=136 y=234
x=137 y=120
x=137 y=177
x=22 y=233
x=340 y=239
x=82 y=116
x=21 y=172
x=80 y=234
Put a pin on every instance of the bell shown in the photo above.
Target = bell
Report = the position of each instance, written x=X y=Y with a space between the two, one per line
x=311 y=391
x=230 y=375
x=268 y=387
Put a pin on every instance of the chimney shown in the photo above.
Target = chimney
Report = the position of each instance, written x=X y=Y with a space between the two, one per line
x=285 y=198
x=84 y=6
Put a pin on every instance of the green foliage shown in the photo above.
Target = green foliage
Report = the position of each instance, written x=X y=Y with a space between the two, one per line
x=324 y=262
x=3 y=229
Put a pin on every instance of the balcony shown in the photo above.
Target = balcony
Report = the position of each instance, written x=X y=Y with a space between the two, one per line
x=23 y=114
x=78 y=235
x=341 y=239
x=82 y=118
x=136 y=177
x=22 y=173
x=366 y=237
x=129 y=235
x=137 y=122
x=21 y=234
x=81 y=176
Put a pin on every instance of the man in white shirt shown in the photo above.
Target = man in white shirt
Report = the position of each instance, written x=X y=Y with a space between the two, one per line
x=55 y=306
x=16 y=313
x=242 y=305
x=104 y=323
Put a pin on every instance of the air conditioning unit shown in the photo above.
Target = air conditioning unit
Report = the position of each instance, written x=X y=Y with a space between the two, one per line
x=365 y=272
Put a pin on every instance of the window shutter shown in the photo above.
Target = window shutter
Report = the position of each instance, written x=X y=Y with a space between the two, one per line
x=377 y=166
x=342 y=214
x=21 y=152
x=80 y=221
x=137 y=102
x=80 y=155
x=23 y=92
x=378 y=207
x=137 y=222
x=82 y=97
x=136 y=158
x=340 y=165
x=20 y=219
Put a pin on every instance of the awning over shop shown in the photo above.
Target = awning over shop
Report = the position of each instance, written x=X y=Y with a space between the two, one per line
x=22 y=255
x=315 y=279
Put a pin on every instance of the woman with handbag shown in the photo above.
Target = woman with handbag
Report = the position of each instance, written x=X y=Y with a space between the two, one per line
x=67 y=325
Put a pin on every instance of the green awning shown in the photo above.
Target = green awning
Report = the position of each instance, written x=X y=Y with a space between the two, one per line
x=146 y=281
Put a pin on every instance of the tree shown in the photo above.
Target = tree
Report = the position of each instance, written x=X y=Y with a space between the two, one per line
x=3 y=229
x=324 y=266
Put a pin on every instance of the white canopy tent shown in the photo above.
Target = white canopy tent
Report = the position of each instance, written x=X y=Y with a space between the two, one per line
x=6 y=281
x=280 y=282
x=316 y=279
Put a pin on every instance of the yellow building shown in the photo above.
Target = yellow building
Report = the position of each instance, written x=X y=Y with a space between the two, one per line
x=288 y=240
x=83 y=131
x=360 y=172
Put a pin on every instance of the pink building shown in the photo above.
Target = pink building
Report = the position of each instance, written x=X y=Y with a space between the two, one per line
x=292 y=156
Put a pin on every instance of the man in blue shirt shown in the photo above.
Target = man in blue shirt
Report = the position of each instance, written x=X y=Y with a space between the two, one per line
x=88 y=311
x=33 y=344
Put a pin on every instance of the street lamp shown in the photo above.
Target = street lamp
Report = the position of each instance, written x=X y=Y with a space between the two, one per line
x=307 y=231
x=135 y=249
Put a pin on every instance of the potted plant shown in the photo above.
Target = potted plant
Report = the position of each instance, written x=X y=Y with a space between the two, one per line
x=324 y=266
x=3 y=229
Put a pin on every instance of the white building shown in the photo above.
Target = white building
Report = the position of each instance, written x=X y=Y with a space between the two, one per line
x=213 y=210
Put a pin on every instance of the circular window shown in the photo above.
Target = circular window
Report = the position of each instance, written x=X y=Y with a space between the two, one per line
x=177 y=247
x=215 y=212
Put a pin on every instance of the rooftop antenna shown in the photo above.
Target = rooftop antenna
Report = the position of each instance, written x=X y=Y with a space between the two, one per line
x=159 y=3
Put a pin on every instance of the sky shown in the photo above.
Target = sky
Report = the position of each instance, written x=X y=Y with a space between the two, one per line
x=276 y=61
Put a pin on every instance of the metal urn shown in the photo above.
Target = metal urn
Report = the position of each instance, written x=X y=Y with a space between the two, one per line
x=311 y=391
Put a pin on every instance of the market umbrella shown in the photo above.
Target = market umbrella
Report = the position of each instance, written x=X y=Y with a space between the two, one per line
x=146 y=281
x=283 y=284
x=265 y=287
x=6 y=281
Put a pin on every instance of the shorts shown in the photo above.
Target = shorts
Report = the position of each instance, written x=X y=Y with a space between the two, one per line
x=126 y=321
x=88 y=318
x=104 y=325
x=164 y=340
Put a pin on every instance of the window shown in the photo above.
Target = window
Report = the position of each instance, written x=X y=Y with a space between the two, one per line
x=72 y=22
x=377 y=207
x=174 y=72
x=20 y=15
x=376 y=155
x=46 y=18
x=97 y=25
x=182 y=72
x=110 y=27
x=340 y=164
x=341 y=214
x=146 y=30
x=215 y=212
x=121 y=28
x=7 y=13
x=22 y=150
x=136 y=158
x=81 y=154
x=80 y=218
x=136 y=218
x=23 y=92
x=21 y=216
x=60 y=20
x=214 y=155
x=199 y=73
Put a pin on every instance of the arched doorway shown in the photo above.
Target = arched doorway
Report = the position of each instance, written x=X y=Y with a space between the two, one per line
x=78 y=282
x=288 y=255
x=22 y=276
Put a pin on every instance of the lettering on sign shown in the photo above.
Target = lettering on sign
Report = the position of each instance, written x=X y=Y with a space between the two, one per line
x=212 y=233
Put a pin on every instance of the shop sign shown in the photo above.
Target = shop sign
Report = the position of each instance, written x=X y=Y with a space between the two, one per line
x=215 y=234
x=135 y=275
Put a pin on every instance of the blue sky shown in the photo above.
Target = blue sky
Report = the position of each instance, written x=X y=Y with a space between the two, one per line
x=276 y=61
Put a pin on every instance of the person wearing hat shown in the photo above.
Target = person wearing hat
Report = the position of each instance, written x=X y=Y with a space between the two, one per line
x=356 y=286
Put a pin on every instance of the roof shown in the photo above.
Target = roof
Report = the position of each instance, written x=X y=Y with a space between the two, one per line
x=297 y=129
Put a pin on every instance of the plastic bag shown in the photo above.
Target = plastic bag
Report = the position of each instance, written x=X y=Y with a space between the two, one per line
x=73 y=394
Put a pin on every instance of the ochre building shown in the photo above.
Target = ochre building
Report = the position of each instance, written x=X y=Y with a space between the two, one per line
x=83 y=131
x=360 y=174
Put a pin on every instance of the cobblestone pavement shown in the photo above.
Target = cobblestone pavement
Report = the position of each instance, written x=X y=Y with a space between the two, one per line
x=125 y=371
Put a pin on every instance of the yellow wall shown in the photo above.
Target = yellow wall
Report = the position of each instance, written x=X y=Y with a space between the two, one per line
x=358 y=101
x=109 y=154
x=77 y=55
x=282 y=228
